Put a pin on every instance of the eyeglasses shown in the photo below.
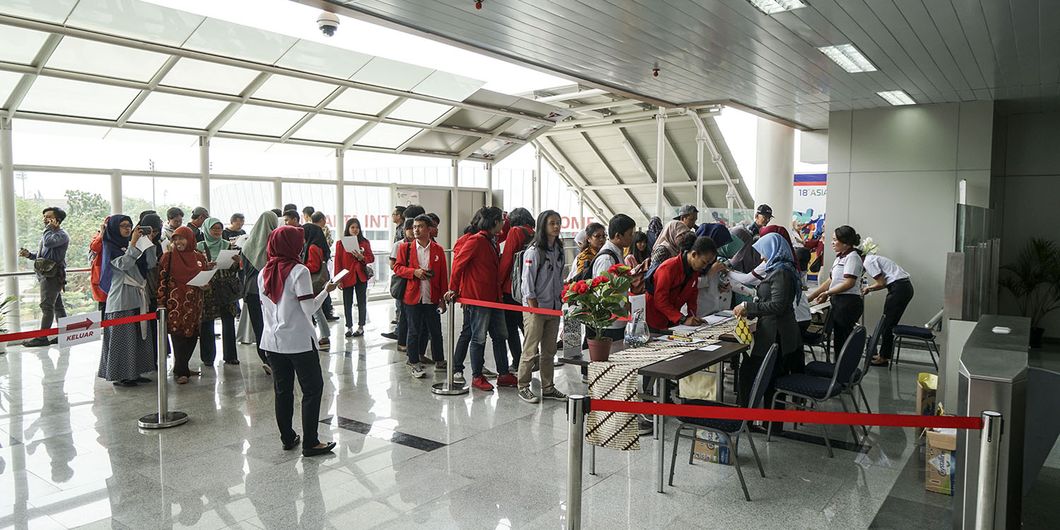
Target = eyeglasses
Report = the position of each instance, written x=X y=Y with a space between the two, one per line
x=125 y=225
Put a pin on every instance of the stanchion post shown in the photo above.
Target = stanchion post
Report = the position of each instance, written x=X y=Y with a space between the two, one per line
x=450 y=388
x=162 y=419
x=577 y=408
x=986 y=489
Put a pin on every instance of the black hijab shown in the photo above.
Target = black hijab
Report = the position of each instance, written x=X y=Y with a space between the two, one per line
x=314 y=235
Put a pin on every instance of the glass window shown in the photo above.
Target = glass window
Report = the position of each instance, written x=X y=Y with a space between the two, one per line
x=20 y=45
x=267 y=121
x=419 y=111
x=371 y=205
x=78 y=194
x=102 y=147
x=247 y=197
x=322 y=59
x=473 y=175
x=388 y=135
x=91 y=57
x=8 y=82
x=361 y=101
x=141 y=20
x=449 y=86
x=159 y=194
x=52 y=95
x=210 y=77
x=293 y=90
x=53 y=11
x=178 y=111
x=233 y=40
x=391 y=74
x=319 y=196
x=247 y=157
x=329 y=128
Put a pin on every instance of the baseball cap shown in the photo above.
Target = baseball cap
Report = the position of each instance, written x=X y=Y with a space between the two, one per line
x=687 y=209
x=765 y=210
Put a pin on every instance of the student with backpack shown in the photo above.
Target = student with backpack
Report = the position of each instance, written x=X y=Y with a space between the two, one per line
x=541 y=285
x=519 y=236
x=620 y=236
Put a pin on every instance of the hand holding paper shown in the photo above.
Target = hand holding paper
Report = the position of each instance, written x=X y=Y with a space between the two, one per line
x=202 y=279
x=226 y=259
x=144 y=243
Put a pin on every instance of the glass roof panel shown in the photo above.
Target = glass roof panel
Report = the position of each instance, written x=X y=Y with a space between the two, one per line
x=419 y=111
x=20 y=45
x=293 y=90
x=322 y=59
x=8 y=81
x=267 y=121
x=233 y=40
x=211 y=77
x=391 y=74
x=51 y=11
x=77 y=98
x=136 y=19
x=329 y=128
x=361 y=101
x=79 y=55
x=449 y=86
x=388 y=135
x=179 y=111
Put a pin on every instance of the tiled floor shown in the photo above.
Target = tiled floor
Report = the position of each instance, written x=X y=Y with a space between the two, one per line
x=71 y=456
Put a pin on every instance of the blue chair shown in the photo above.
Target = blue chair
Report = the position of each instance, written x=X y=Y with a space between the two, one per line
x=804 y=388
x=924 y=334
x=823 y=369
x=729 y=431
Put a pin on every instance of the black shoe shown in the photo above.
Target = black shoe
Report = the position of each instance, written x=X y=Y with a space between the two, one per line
x=125 y=382
x=393 y=322
x=142 y=380
x=294 y=443
x=330 y=318
x=36 y=342
x=316 y=451
x=390 y=335
x=53 y=340
x=235 y=361
x=358 y=333
x=349 y=333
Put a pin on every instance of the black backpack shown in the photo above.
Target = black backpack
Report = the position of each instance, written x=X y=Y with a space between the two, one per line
x=587 y=273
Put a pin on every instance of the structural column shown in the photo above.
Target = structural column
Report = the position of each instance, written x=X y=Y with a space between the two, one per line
x=204 y=172
x=277 y=193
x=489 y=184
x=660 y=163
x=454 y=210
x=116 y=203
x=701 y=143
x=775 y=169
x=537 y=182
x=340 y=186
x=7 y=196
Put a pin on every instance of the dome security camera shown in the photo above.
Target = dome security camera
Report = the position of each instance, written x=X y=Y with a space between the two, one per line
x=328 y=23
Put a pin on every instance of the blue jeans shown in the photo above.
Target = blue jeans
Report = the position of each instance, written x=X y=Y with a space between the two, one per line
x=478 y=321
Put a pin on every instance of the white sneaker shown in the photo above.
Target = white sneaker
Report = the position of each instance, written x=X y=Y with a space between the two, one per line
x=416 y=370
x=458 y=378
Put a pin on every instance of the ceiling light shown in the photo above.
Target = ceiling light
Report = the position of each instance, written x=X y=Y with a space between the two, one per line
x=896 y=97
x=772 y=7
x=849 y=58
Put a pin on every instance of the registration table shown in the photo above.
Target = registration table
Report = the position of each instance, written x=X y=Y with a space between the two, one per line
x=672 y=369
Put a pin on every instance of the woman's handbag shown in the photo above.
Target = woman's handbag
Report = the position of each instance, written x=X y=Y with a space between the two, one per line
x=225 y=284
x=397 y=283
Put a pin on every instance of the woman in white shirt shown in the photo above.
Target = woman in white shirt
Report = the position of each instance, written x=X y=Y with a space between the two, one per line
x=843 y=286
x=888 y=275
x=288 y=337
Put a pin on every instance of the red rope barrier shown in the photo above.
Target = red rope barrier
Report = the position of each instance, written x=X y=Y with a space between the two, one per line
x=520 y=308
x=23 y=335
x=790 y=416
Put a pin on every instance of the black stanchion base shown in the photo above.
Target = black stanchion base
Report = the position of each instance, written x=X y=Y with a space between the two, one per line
x=170 y=419
x=443 y=389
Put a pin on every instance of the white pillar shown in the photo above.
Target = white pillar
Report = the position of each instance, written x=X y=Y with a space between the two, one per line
x=701 y=143
x=537 y=178
x=775 y=169
x=489 y=184
x=340 y=185
x=277 y=193
x=7 y=198
x=454 y=209
x=116 y=205
x=660 y=163
x=204 y=172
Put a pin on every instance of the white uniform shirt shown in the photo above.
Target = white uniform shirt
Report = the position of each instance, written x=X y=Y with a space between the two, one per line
x=848 y=265
x=423 y=254
x=287 y=325
x=877 y=265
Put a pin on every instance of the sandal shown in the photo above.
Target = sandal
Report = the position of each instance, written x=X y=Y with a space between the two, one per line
x=879 y=361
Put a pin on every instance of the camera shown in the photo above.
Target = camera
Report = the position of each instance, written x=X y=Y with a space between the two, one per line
x=328 y=23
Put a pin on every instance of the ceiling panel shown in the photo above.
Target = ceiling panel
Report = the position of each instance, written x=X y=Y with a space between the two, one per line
x=391 y=74
x=76 y=98
x=361 y=101
x=20 y=45
x=8 y=81
x=53 y=11
x=322 y=59
x=176 y=110
x=233 y=40
x=293 y=90
x=419 y=111
x=266 y=121
x=388 y=135
x=91 y=57
x=449 y=86
x=211 y=77
x=133 y=18
x=329 y=128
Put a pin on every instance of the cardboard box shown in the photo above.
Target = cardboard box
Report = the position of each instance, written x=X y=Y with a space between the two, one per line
x=926 y=385
x=708 y=448
x=941 y=463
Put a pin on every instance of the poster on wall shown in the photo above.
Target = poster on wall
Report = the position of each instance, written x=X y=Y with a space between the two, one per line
x=808 y=215
x=406 y=197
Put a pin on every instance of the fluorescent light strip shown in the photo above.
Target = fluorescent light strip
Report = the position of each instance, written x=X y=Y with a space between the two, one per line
x=848 y=58
x=772 y=7
x=896 y=97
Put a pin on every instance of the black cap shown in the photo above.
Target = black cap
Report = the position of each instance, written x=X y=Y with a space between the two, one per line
x=687 y=209
x=765 y=210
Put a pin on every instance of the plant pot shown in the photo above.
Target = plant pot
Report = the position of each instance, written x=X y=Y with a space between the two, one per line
x=1037 y=334
x=599 y=349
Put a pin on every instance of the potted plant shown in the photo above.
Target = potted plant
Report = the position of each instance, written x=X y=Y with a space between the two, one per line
x=5 y=306
x=597 y=303
x=1034 y=279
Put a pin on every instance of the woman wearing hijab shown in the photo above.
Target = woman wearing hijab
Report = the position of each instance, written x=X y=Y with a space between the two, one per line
x=714 y=293
x=783 y=233
x=287 y=303
x=253 y=258
x=129 y=349
x=743 y=258
x=316 y=256
x=151 y=223
x=669 y=243
x=774 y=309
x=183 y=303
x=655 y=227
x=219 y=300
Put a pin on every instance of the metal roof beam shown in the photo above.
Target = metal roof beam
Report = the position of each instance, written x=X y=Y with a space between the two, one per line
x=363 y=130
x=715 y=155
x=231 y=109
x=14 y=101
x=146 y=91
x=639 y=160
x=310 y=115
x=581 y=94
x=614 y=174
x=651 y=185
x=559 y=162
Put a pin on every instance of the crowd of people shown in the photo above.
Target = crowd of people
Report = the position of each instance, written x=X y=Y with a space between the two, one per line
x=278 y=278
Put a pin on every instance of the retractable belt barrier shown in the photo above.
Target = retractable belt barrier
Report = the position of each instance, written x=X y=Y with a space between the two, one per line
x=23 y=335
x=520 y=308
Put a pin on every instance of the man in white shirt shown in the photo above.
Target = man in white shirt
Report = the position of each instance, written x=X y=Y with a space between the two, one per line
x=427 y=273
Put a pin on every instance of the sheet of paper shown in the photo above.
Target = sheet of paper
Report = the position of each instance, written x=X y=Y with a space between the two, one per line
x=342 y=274
x=144 y=243
x=203 y=278
x=717 y=319
x=350 y=244
x=711 y=347
x=240 y=241
x=684 y=330
x=225 y=259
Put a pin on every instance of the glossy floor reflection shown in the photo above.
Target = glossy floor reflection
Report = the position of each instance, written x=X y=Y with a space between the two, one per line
x=71 y=455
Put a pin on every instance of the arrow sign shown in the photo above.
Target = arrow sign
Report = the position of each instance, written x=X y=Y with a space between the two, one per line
x=79 y=329
x=85 y=324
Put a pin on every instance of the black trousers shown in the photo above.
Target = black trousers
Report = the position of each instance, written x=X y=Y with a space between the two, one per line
x=329 y=311
x=424 y=323
x=208 y=345
x=306 y=367
x=899 y=294
x=183 y=347
x=361 y=292
x=51 y=301
x=402 y=325
x=252 y=305
x=846 y=311
x=513 y=320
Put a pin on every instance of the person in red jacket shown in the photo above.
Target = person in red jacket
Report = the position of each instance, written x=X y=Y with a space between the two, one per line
x=519 y=236
x=355 y=260
x=95 y=252
x=476 y=276
x=428 y=277
x=674 y=284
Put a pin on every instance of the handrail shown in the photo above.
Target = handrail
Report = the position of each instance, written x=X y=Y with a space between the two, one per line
x=31 y=273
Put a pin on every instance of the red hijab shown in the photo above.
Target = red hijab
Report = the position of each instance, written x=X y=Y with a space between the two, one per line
x=783 y=232
x=184 y=265
x=283 y=251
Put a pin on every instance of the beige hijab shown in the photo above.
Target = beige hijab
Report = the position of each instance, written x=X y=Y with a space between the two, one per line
x=671 y=237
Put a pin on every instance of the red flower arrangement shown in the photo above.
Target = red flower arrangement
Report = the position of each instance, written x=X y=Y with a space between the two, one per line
x=598 y=302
